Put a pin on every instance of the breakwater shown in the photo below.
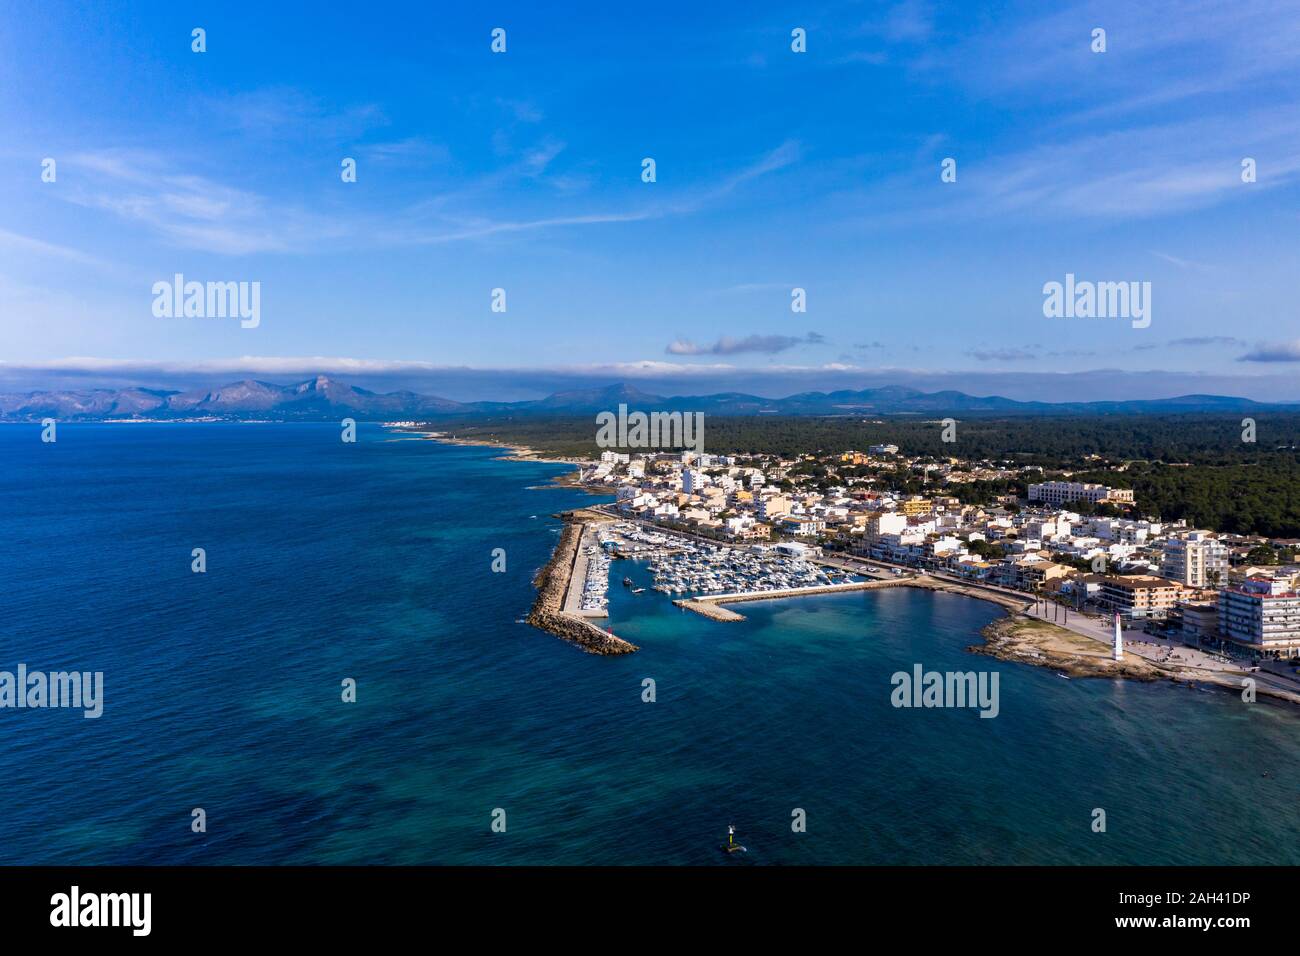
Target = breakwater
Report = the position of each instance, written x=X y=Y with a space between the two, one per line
x=709 y=609
x=552 y=583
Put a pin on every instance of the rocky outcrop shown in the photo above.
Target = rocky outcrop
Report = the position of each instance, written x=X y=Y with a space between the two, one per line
x=1030 y=641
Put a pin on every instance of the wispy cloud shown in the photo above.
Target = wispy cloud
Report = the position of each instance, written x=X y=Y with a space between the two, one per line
x=1005 y=354
x=1102 y=150
x=485 y=228
x=452 y=228
x=525 y=111
x=26 y=244
x=1274 y=352
x=411 y=150
x=1194 y=341
x=286 y=112
x=729 y=345
x=191 y=210
x=911 y=21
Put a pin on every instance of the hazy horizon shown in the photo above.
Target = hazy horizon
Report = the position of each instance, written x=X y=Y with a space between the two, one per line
x=513 y=385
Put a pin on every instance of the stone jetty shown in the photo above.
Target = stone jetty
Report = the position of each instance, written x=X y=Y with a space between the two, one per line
x=709 y=609
x=552 y=583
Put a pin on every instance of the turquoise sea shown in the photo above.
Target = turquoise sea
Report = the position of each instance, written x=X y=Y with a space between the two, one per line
x=372 y=561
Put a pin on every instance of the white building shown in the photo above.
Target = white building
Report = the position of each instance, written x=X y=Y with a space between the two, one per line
x=1064 y=492
x=1262 y=615
x=1046 y=529
x=1195 y=559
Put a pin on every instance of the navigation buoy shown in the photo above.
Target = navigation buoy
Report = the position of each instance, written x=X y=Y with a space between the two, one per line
x=731 y=845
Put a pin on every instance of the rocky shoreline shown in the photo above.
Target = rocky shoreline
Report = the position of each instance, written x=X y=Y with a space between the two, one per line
x=1025 y=640
x=552 y=583
x=568 y=479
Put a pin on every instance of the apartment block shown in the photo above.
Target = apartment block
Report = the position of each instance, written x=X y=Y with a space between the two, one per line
x=1262 y=615
x=1139 y=595
x=1064 y=492
x=1195 y=559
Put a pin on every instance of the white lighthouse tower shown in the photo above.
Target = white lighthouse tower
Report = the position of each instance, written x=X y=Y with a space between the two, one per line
x=1119 y=639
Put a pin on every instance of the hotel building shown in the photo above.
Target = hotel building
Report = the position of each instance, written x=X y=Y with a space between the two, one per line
x=1263 y=615
x=1139 y=595
x=1065 y=492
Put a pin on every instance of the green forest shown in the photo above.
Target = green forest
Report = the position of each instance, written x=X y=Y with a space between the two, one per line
x=1179 y=466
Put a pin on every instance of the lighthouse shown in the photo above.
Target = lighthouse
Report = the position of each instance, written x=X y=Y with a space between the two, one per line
x=1119 y=639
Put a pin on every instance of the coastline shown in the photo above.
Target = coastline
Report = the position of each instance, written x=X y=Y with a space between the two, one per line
x=1026 y=640
x=568 y=479
x=1022 y=639
x=517 y=452
x=1016 y=637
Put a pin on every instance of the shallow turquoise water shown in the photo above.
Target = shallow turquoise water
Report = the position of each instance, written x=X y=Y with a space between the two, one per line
x=372 y=561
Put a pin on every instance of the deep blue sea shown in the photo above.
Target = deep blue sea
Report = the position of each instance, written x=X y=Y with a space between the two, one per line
x=372 y=561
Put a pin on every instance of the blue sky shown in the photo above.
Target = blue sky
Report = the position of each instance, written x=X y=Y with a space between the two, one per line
x=775 y=170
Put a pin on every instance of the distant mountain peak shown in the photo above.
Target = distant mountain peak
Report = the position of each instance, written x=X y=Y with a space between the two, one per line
x=322 y=398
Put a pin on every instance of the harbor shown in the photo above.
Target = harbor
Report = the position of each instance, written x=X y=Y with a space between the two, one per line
x=704 y=578
x=688 y=566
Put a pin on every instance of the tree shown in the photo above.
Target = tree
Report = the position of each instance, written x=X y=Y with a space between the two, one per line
x=1261 y=554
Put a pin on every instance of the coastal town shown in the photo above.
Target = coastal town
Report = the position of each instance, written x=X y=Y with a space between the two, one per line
x=1076 y=546
x=1074 y=564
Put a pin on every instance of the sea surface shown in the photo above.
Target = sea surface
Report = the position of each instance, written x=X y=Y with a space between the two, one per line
x=373 y=561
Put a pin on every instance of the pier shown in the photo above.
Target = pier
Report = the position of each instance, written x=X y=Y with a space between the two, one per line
x=708 y=605
x=709 y=609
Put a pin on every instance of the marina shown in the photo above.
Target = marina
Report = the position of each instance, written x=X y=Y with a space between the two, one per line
x=593 y=601
x=686 y=566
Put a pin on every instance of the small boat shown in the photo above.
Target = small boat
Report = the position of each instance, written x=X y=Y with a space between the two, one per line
x=627 y=582
x=638 y=590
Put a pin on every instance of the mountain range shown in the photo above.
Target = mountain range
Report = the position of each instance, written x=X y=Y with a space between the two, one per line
x=323 y=399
